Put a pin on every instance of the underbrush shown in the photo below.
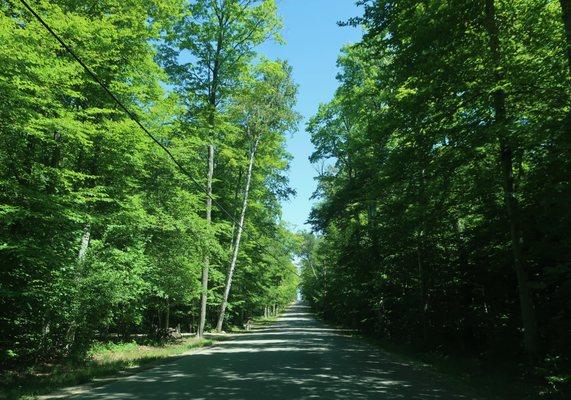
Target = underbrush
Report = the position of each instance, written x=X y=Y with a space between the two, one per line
x=490 y=377
x=103 y=360
x=494 y=378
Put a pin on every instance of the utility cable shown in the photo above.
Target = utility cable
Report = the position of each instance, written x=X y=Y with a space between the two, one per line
x=132 y=116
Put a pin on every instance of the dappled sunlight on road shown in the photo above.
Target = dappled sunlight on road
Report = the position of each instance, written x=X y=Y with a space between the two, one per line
x=297 y=358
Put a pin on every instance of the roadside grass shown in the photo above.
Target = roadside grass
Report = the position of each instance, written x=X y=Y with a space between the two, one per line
x=264 y=321
x=104 y=360
x=257 y=322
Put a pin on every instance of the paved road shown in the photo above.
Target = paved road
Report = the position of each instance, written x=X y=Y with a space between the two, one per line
x=297 y=358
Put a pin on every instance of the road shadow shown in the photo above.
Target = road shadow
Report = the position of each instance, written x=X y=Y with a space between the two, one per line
x=297 y=358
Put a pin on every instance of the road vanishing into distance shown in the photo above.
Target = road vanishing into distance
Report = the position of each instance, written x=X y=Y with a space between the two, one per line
x=296 y=358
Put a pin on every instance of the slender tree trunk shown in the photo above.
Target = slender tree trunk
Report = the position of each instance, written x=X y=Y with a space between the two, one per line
x=213 y=103
x=168 y=316
x=240 y=227
x=506 y=158
x=236 y=194
x=206 y=266
x=84 y=242
x=312 y=269
x=83 y=247
x=325 y=288
x=423 y=303
x=566 y=14
x=420 y=255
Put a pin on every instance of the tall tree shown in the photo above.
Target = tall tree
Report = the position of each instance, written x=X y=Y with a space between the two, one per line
x=264 y=109
x=63 y=165
x=220 y=36
x=566 y=15
x=500 y=125
x=443 y=152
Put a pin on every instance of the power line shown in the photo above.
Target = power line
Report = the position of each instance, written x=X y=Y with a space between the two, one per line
x=132 y=116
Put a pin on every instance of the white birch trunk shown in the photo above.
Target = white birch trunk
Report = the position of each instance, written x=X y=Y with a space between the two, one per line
x=83 y=247
x=84 y=242
x=240 y=227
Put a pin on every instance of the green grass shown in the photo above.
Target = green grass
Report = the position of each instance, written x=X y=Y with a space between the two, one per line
x=263 y=321
x=104 y=360
x=257 y=322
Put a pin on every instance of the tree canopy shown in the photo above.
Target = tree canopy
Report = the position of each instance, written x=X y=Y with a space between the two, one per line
x=100 y=232
x=445 y=191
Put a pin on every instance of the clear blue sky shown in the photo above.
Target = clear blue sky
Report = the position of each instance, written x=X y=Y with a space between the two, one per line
x=313 y=41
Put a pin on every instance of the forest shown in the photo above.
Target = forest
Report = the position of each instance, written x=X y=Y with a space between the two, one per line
x=444 y=196
x=144 y=166
x=101 y=232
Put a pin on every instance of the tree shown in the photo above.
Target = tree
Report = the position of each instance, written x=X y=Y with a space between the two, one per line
x=566 y=15
x=71 y=169
x=220 y=37
x=100 y=231
x=265 y=110
x=441 y=153
x=506 y=156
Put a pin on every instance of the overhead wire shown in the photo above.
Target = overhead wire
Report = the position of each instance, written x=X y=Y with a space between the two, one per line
x=133 y=117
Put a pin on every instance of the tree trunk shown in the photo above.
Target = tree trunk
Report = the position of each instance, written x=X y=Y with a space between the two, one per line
x=84 y=242
x=240 y=227
x=527 y=308
x=566 y=14
x=168 y=316
x=206 y=266
x=312 y=269
x=423 y=303
x=324 y=301
x=420 y=256
x=83 y=247
x=236 y=194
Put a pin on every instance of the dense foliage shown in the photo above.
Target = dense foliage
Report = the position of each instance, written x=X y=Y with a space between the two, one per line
x=99 y=231
x=445 y=197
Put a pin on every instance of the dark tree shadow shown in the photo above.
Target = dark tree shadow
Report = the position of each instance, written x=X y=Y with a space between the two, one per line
x=297 y=358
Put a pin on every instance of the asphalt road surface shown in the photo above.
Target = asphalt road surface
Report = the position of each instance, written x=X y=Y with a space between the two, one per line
x=297 y=358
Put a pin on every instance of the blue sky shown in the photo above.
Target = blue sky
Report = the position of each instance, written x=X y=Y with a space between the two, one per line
x=313 y=41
